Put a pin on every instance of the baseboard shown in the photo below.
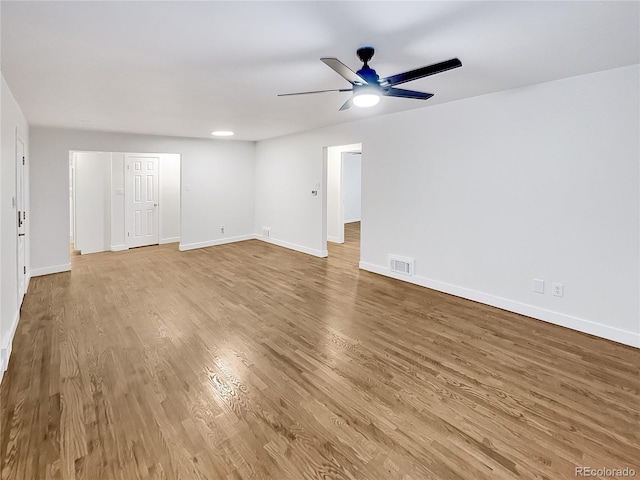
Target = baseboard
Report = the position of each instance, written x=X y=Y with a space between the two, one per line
x=4 y=361
x=169 y=240
x=38 y=272
x=352 y=221
x=119 y=248
x=625 y=337
x=334 y=239
x=293 y=246
x=241 y=238
x=5 y=345
x=212 y=243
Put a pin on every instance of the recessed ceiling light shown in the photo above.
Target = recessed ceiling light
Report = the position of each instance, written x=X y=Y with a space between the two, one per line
x=222 y=133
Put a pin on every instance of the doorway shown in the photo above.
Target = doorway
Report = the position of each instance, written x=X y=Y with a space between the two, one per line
x=343 y=197
x=124 y=200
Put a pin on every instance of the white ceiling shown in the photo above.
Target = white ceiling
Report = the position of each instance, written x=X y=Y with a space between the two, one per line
x=187 y=68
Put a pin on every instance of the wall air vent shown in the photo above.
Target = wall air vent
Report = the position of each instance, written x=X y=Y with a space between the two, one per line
x=402 y=265
x=266 y=232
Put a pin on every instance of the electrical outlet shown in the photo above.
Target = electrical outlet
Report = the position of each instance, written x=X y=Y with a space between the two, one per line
x=557 y=289
x=221 y=228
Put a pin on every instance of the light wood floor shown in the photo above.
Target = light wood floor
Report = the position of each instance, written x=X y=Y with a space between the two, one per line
x=250 y=361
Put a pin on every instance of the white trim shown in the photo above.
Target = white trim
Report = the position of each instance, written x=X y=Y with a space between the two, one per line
x=20 y=206
x=293 y=246
x=158 y=201
x=6 y=344
x=352 y=221
x=241 y=238
x=4 y=361
x=334 y=239
x=169 y=240
x=212 y=243
x=119 y=248
x=625 y=337
x=37 y=272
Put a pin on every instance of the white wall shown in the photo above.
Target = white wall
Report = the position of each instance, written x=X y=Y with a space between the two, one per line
x=352 y=186
x=488 y=193
x=118 y=223
x=12 y=123
x=169 y=198
x=92 y=201
x=218 y=179
x=287 y=170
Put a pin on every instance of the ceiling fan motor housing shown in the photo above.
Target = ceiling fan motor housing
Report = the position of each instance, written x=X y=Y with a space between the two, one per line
x=369 y=74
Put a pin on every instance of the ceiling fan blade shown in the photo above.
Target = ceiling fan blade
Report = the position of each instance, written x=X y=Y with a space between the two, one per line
x=420 y=72
x=316 y=91
x=401 y=92
x=347 y=105
x=344 y=71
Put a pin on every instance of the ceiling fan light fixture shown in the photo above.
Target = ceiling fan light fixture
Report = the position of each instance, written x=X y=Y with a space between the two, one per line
x=368 y=87
x=366 y=97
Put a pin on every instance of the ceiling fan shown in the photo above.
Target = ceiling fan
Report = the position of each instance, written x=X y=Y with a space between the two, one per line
x=368 y=87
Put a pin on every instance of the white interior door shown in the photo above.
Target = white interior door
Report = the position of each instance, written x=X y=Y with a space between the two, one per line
x=21 y=218
x=142 y=200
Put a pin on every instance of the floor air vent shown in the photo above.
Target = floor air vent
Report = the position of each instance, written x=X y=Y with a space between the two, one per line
x=401 y=264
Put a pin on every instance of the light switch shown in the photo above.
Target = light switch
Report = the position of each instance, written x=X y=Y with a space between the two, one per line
x=538 y=285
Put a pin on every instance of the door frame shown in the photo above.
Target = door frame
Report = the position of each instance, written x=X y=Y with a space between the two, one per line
x=21 y=219
x=328 y=152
